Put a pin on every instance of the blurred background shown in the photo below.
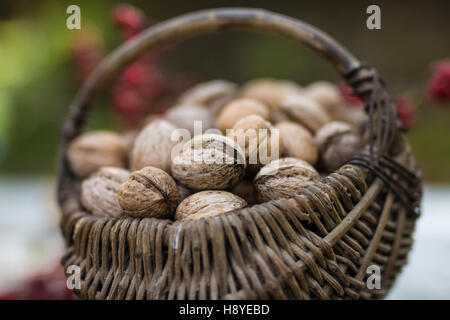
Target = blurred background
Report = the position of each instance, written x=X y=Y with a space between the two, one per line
x=43 y=63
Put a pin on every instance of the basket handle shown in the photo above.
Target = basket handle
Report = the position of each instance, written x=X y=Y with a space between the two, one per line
x=363 y=79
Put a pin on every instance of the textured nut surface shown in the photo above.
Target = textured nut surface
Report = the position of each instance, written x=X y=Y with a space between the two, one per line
x=209 y=162
x=297 y=142
x=337 y=143
x=353 y=116
x=238 y=109
x=269 y=91
x=208 y=203
x=99 y=191
x=153 y=146
x=328 y=95
x=185 y=116
x=283 y=178
x=207 y=93
x=93 y=150
x=305 y=111
x=149 y=192
x=256 y=136
x=331 y=130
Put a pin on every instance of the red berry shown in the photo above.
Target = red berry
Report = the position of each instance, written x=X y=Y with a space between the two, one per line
x=406 y=112
x=129 y=18
x=350 y=98
x=439 y=86
x=86 y=50
x=141 y=84
x=134 y=74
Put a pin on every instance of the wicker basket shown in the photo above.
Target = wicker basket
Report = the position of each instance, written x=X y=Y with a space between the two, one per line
x=316 y=245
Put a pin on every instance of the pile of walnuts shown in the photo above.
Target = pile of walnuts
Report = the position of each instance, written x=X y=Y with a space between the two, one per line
x=220 y=148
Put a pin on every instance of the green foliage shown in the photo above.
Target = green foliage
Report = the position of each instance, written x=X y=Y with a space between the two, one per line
x=37 y=84
x=430 y=141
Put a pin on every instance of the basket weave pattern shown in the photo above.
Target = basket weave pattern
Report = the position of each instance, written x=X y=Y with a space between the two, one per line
x=315 y=245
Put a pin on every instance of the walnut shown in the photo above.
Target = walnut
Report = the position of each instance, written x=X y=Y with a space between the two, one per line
x=153 y=146
x=337 y=142
x=328 y=95
x=212 y=94
x=283 y=178
x=93 y=150
x=269 y=91
x=238 y=109
x=207 y=204
x=99 y=191
x=353 y=116
x=209 y=162
x=186 y=116
x=305 y=111
x=297 y=142
x=149 y=192
x=256 y=136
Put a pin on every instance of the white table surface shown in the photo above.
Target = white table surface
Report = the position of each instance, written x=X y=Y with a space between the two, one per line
x=30 y=240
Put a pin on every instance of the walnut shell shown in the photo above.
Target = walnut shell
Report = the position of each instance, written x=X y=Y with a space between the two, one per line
x=328 y=95
x=212 y=94
x=305 y=111
x=330 y=130
x=353 y=116
x=283 y=178
x=209 y=162
x=238 y=109
x=337 y=143
x=297 y=142
x=93 y=150
x=187 y=116
x=99 y=191
x=269 y=91
x=207 y=204
x=153 y=146
x=256 y=136
x=149 y=192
